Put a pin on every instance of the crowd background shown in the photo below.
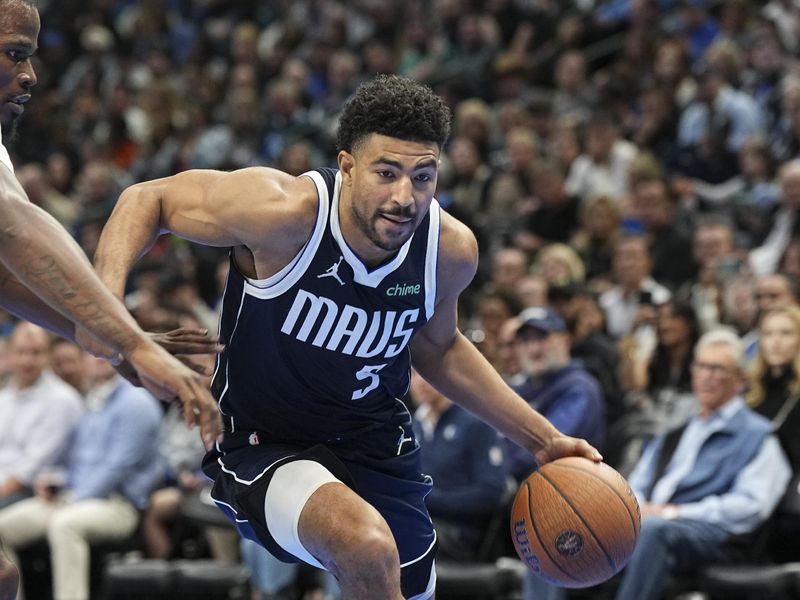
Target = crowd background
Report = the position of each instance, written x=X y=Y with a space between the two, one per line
x=634 y=164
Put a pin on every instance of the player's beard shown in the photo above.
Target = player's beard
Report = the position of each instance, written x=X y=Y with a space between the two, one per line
x=367 y=226
x=10 y=130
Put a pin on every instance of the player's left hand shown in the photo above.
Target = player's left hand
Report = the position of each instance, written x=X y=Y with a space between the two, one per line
x=560 y=446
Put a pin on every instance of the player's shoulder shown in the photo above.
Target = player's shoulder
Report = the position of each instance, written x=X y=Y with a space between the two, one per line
x=458 y=251
x=286 y=198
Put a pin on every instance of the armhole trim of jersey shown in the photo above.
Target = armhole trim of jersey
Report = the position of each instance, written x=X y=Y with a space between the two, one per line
x=432 y=258
x=280 y=282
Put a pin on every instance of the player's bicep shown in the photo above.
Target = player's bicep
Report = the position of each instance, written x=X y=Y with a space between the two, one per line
x=193 y=205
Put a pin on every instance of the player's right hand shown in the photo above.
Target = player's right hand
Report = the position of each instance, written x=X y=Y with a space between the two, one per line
x=165 y=376
x=561 y=445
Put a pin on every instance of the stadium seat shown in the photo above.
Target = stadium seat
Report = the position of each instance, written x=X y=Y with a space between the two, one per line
x=153 y=579
x=493 y=576
x=210 y=580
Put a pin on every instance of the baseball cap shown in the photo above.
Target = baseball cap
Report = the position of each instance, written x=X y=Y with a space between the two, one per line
x=541 y=318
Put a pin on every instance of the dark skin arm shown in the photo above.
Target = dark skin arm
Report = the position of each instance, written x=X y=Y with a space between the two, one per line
x=42 y=256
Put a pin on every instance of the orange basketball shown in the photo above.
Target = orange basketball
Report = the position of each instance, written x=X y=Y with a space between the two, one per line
x=575 y=522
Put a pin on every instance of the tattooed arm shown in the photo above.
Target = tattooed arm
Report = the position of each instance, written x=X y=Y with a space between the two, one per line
x=43 y=257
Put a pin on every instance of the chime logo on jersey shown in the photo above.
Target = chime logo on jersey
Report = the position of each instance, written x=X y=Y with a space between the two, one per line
x=349 y=329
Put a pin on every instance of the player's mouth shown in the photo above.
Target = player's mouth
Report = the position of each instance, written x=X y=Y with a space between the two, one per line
x=397 y=220
x=16 y=104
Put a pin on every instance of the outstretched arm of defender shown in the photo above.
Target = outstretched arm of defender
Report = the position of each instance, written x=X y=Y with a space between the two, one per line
x=41 y=255
x=446 y=359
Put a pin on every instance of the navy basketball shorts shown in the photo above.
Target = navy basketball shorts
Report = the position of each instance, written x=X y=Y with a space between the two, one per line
x=262 y=488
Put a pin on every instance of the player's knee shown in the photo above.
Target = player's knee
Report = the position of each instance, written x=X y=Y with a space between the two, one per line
x=374 y=551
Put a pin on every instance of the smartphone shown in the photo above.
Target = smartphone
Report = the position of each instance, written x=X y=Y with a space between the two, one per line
x=646 y=297
x=729 y=267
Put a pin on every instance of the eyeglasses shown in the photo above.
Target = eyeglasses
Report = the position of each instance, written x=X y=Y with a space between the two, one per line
x=711 y=369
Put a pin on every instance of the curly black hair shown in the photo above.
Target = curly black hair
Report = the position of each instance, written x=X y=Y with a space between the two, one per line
x=393 y=106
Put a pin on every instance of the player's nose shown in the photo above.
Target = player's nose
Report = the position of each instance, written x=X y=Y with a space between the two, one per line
x=402 y=191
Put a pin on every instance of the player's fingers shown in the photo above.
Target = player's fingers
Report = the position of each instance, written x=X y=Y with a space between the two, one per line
x=204 y=413
x=589 y=451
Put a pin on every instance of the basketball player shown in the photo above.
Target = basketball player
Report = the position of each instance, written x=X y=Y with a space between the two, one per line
x=46 y=278
x=339 y=280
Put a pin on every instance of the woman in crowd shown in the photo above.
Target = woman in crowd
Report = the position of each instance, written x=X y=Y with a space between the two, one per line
x=774 y=386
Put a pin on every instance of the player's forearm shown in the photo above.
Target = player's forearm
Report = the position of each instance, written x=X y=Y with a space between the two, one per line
x=129 y=232
x=462 y=374
x=42 y=255
x=20 y=301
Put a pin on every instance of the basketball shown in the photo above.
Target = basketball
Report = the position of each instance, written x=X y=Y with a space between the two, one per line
x=575 y=522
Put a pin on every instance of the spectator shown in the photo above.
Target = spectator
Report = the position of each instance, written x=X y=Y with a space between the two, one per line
x=531 y=289
x=464 y=191
x=112 y=466
x=603 y=168
x=714 y=263
x=670 y=248
x=765 y=258
x=774 y=389
x=659 y=384
x=40 y=414
x=573 y=96
x=557 y=386
x=560 y=265
x=181 y=452
x=465 y=458
x=556 y=217
x=600 y=221
x=634 y=288
x=713 y=128
x=511 y=190
x=68 y=361
x=770 y=291
x=590 y=344
x=720 y=475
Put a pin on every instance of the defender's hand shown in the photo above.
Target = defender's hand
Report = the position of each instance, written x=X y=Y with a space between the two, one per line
x=164 y=376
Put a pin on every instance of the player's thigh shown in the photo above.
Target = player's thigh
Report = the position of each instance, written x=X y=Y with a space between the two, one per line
x=336 y=522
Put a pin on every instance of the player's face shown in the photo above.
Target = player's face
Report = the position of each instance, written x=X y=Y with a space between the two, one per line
x=388 y=184
x=19 y=30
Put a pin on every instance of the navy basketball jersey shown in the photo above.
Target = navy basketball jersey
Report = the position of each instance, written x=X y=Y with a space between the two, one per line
x=318 y=352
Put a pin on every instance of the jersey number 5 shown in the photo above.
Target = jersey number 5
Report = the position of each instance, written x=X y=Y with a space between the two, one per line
x=368 y=373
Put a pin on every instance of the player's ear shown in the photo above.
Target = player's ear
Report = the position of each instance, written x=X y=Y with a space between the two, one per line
x=346 y=163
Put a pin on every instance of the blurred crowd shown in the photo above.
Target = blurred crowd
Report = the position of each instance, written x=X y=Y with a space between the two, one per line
x=631 y=169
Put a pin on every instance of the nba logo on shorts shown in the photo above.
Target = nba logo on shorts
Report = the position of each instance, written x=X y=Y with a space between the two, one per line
x=254 y=439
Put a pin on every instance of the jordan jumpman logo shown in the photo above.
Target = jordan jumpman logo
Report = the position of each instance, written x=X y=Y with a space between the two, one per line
x=333 y=271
